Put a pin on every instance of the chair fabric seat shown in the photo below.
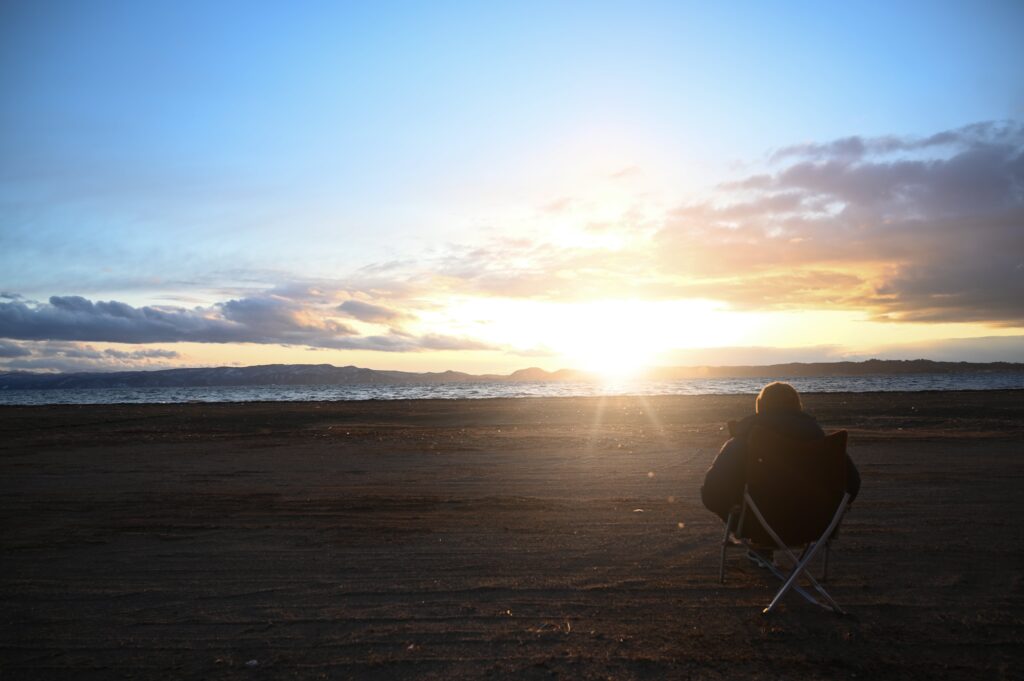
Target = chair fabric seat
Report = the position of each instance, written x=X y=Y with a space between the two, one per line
x=796 y=484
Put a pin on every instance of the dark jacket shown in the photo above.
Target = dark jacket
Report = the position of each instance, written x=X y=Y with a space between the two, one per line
x=723 y=484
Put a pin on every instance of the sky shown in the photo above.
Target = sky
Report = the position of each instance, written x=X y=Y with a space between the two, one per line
x=489 y=186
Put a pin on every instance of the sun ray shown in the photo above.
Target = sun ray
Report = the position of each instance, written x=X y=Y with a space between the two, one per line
x=595 y=424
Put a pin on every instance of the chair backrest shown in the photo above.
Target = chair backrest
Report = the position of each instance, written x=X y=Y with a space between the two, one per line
x=796 y=484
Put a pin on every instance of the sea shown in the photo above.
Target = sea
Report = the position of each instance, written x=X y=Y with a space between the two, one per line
x=487 y=390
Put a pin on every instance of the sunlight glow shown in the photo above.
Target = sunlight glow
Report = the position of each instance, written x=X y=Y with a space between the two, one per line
x=615 y=338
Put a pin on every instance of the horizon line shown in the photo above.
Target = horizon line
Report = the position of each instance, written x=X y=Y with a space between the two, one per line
x=638 y=373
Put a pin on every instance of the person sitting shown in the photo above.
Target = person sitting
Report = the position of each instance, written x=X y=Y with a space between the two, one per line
x=777 y=408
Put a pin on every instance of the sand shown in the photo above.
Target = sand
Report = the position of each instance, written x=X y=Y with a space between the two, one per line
x=529 y=538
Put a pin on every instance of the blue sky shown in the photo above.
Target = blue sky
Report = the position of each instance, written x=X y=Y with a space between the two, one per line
x=192 y=154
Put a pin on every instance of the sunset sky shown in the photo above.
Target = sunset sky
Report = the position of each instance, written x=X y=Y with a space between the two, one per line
x=490 y=186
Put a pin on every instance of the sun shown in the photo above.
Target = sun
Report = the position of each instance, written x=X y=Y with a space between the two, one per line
x=612 y=363
x=606 y=338
x=616 y=339
x=620 y=339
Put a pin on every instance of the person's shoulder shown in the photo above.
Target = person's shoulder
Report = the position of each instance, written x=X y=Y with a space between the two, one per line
x=742 y=427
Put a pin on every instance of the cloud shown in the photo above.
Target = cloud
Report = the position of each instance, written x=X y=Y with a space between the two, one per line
x=627 y=172
x=8 y=349
x=67 y=356
x=937 y=238
x=76 y=318
x=273 y=319
x=984 y=349
x=435 y=341
x=855 y=147
x=368 y=312
x=556 y=206
x=265 y=318
x=402 y=342
x=807 y=288
x=156 y=353
x=258 y=319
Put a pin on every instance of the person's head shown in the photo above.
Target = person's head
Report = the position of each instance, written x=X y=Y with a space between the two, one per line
x=777 y=397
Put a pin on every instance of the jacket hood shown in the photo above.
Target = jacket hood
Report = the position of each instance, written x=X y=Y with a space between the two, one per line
x=792 y=424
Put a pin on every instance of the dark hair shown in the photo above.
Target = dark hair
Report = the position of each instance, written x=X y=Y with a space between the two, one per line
x=776 y=397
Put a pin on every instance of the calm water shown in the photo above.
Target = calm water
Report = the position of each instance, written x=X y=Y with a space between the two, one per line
x=703 y=386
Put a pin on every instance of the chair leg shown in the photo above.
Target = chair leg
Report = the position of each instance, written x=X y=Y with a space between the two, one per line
x=805 y=557
x=725 y=545
x=791 y=582
x=796 y=587
x=824 y=571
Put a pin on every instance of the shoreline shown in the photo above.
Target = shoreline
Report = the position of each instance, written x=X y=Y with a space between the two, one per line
x=751 y=395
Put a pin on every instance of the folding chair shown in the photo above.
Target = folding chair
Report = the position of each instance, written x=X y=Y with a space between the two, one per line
x=795 y=497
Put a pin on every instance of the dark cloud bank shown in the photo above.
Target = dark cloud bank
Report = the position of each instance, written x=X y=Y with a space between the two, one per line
x=266 y=319
x=943 y=216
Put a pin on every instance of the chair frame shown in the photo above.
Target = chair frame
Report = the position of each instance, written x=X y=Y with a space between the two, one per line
x=734 y=539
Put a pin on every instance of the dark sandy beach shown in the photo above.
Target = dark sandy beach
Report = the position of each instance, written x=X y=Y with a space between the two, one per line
x=529 y=538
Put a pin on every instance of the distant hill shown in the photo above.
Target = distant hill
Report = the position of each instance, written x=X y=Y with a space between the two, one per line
x=327 y=374
x=871 y=367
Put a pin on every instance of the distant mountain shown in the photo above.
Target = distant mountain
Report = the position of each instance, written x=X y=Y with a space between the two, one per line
x=268 y=374
x=871 y=367
x=327 y=374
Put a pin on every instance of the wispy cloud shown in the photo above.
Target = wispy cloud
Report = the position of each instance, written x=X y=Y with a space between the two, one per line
x=68 y=356
x=368 y=312
x=627 y=173
x=985 y=349
x=855 y=147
